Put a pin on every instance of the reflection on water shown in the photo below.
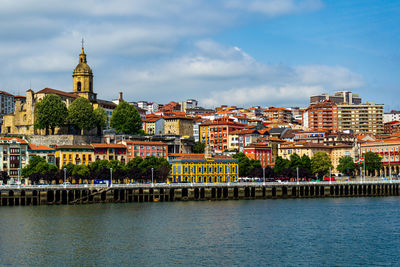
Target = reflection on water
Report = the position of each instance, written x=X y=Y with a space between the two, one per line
x=345 y=231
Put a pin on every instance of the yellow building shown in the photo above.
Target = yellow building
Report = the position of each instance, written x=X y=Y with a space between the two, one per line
x=309 y=149
x=197 y=168
x=23 y=119
x=75 y=154
x=204 y=134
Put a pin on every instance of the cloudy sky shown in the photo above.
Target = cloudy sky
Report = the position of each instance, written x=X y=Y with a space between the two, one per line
x=239 y=52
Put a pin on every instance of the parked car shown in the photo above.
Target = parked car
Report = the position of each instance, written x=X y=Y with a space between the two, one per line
x=327 y=178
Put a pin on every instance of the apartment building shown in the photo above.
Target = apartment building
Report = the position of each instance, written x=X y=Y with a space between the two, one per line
x=145 y=149
x=220 y=130
x=361 y=118
x=259 y=151
x=322 y=116
x=103 y=151
x=278 y=115
x=14 y=155
x=339 y=97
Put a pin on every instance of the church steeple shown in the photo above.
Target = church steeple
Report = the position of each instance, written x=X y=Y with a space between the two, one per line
x=82 y=78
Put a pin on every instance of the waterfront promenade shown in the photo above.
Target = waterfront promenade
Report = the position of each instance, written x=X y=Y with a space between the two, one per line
x=122 y=193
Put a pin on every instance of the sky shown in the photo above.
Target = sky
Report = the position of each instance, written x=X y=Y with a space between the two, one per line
x=234 y=52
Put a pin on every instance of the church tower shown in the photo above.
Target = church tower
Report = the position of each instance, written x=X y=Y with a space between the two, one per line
x=82 y=79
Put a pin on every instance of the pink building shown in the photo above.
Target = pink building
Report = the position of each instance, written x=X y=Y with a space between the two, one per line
x=145 y=149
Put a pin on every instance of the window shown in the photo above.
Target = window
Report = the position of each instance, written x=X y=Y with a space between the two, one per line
x=78 y=85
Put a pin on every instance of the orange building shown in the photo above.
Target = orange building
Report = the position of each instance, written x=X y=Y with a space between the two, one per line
x=220 y=130
x=321 y=117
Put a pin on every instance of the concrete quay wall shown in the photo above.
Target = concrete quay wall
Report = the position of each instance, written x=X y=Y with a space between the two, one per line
x=70 y=195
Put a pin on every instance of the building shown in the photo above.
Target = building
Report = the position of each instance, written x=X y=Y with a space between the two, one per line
x=242 y=138
x=178 y=125
x=23 y=119
x=391 y=127
x=220 y=129
x=104 y=151
x=309 y=149
x=321 y=116
x=260 y=152
x=309 y=136
x=75 y=154
x=393 y=115
x=14 y=155
x=198 y=168
x=361 y=118
x=278 y=115
x=145 y=149
x=6 y=104
x=154 y=125
x=189 y=104
x=339 y=97
x=48 y=153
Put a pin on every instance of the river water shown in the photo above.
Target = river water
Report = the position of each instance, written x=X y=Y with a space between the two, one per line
x=291 y=232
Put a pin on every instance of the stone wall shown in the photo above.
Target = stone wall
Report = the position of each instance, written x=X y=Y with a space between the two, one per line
x=51 y=140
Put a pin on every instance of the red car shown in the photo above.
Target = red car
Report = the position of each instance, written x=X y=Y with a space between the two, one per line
x=327 y=178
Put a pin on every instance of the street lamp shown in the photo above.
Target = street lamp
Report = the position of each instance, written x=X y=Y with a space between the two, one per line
x=110 y=177
x=330 y=175
x=264 y=174
x=152 y=176
x=297 y=170
x=65 y=176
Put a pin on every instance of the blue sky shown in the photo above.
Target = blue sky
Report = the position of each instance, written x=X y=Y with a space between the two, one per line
x=245 y=53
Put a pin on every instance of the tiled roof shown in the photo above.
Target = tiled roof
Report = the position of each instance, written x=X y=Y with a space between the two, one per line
x=57 y=92
x=105 y=145
x=147 y=143
x=75 y=147
x=19 y=140
x=40 y=147
x=5 y=93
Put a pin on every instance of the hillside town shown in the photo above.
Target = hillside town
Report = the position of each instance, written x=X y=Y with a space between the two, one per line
x=196 y=144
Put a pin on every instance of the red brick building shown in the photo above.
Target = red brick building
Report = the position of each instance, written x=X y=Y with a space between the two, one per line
x=259 y=151
x=145 y=149
x=219 y=130
x=321 y=117
x=391 y=127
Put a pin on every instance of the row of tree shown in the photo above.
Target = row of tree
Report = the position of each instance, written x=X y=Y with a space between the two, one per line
x=317 y=166
x=51 y=112
x=138 y=169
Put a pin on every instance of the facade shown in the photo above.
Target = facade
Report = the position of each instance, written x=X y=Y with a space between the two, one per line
x=75 y=154
x=393 y=115
x=204 y=135
x=198 y=168
x=104 y=151
x=339 y=97
x=178 y=125
x=6 y=104
x=321 y=117
x=360 y=119
x=391 y=127
x=48 y=153
x=145 y=149
x=189 y=104
x=309 y=149
x=220 y=129
x=309 y=136
x=388 y=150
x=242 y=138
x=154 y=125
x=278 y=115
x=259 y=151
x=14 y=155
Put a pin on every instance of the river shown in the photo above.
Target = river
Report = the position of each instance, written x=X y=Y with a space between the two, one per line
x=287 y=232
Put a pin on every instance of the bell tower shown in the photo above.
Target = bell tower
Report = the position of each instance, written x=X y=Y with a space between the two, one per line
x=82 y=79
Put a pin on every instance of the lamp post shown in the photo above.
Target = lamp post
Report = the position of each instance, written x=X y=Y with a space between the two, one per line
x=152 y=176
x=264 y=174
x=110 y=177
x=297 y=170
x=65 y=176
x=330 y=175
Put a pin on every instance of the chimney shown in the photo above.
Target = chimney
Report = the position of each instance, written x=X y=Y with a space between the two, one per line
x=120 y=99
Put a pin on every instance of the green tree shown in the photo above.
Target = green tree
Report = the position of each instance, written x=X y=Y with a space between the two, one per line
x=100 y=117
x=38 y=169
x=281 y=164
x=80 y=172
x=373 y=162
x=346 y=165
x=50 y=113
x=81 y=115
x=29 y=169
x=320 y=164
x=126 y=119
x=245 y=164
x=306 y=162
x=295 y=161
x=199 y=147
